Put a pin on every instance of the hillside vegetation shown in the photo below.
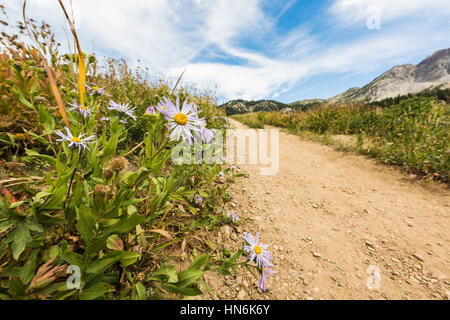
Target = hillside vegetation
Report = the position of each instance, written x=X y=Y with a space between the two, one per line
x=91 y=205
x=414 y=133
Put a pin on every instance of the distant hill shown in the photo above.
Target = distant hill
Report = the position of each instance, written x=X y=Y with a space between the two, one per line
x=431 y=73
x=244 y=106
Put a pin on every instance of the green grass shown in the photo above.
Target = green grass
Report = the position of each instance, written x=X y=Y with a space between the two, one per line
x=414 y=133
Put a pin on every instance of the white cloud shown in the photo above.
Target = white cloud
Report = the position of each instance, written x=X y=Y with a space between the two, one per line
x=356 y=11
x=227 y=18
x=166 y=35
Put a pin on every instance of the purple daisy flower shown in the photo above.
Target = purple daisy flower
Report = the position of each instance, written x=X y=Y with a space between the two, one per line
x=74 y=141
x=182 y=120
x=257 y=251
x=232 y=215
x=150 y=110
x=96 y=90
x=123 y=107
x=204 y=134
x=198 y=199
x=265 y=274
x=84 y=111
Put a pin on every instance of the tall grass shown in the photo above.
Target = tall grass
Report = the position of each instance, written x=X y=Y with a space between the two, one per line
x=414 y=134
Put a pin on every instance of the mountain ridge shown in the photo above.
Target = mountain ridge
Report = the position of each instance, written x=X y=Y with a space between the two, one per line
x=433 y=71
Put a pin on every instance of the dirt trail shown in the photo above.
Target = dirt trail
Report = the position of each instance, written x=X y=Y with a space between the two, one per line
x=330 y=218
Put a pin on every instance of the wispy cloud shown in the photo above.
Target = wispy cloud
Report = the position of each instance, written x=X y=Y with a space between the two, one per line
x=355 y=11
x=168 y=35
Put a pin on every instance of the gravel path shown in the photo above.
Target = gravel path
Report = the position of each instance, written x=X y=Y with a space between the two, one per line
x=334 y=220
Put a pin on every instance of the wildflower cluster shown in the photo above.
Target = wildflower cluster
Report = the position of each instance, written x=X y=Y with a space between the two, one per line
x=94 y=198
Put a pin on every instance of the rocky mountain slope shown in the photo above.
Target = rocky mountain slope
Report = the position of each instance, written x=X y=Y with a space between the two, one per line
x=433 y=71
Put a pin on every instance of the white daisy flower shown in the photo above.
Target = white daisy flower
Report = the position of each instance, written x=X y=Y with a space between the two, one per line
x=123 y=107
x=79 y=141
x=257 y=251
x=84 y=111
x=182 y=120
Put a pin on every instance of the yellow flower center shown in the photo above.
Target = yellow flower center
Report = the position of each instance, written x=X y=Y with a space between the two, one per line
x=258 y=250
x=181 y=119
x=76 y=139
x=95 y=88
x=83 y=107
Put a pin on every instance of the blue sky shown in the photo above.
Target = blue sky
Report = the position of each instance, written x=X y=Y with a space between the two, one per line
x=257 y=49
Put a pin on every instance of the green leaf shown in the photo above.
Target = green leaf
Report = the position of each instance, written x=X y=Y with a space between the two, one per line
x=28 y=270
x=45 y=157
x=166 y=274
x=140 y=290
x=16 y=204
x=96 y=291
x=41 y=195
x=100 y=265
x=25 y=102
x=69 y=256
x=17 y=288
x=188 y=277
x=199 y=262
x=203 y=193
x=187 y=291
x=114 y=242
x=111 y=145
x=58 y=286
x=126 y=224
x=6 y=224
x=86 y=223
x=5 y=297
x=37 y=137
x=46 y=119
x=53 y=252
x=211 y=244
x=131 y=210
x=33 y=225
x=19 y=237
x=128 y=258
